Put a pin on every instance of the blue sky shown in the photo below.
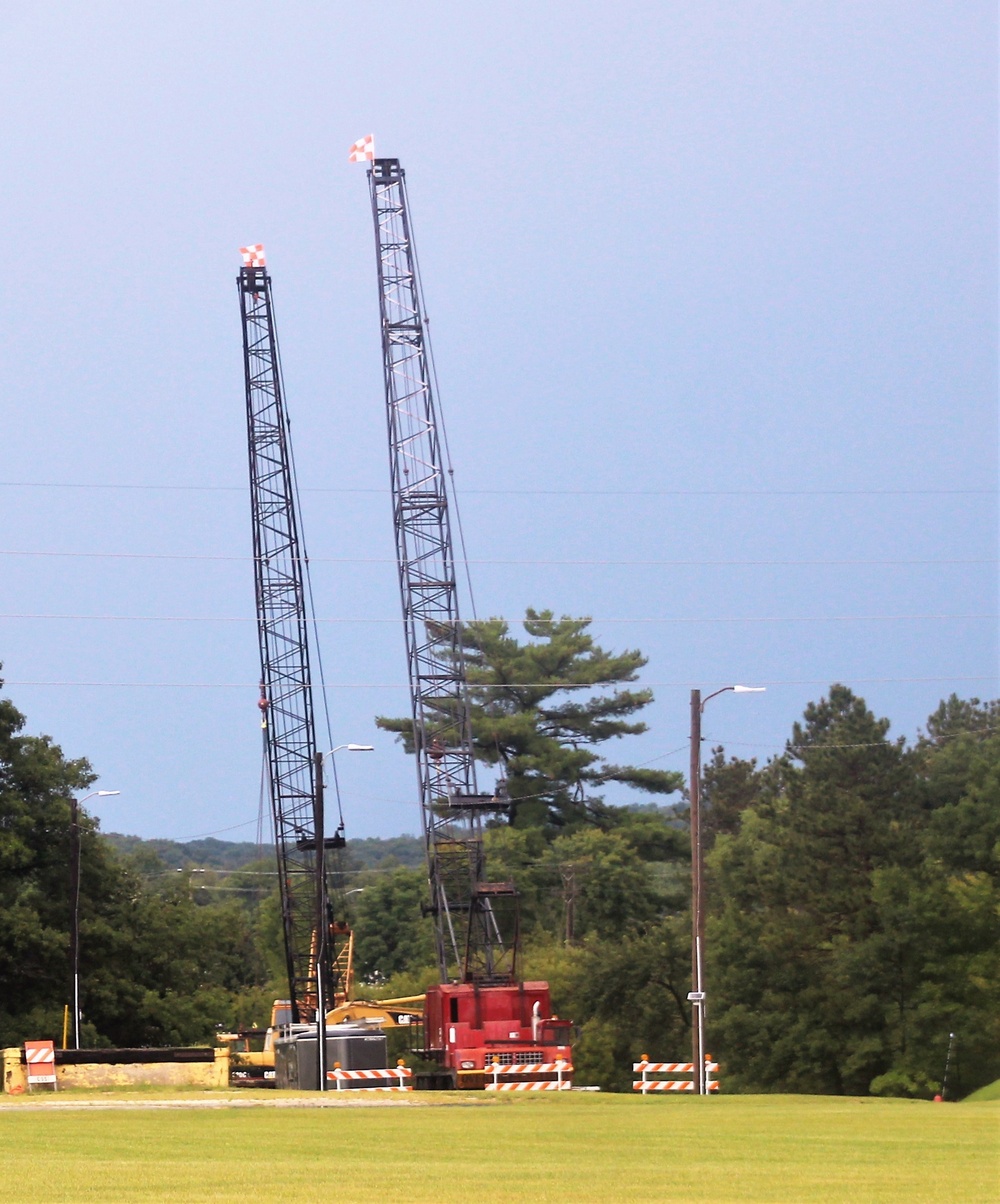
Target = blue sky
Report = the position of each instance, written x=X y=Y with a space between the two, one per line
x=712 y=290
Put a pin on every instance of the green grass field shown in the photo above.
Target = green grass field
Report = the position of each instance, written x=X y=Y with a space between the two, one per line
x=990 y=1091
x=538 y=1148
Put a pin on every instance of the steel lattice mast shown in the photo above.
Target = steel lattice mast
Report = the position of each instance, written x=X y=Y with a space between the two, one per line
x=286 y=700
x=465 y=907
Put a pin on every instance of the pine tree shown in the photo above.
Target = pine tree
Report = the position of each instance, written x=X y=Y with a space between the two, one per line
x=797 y=916
x=534 y=717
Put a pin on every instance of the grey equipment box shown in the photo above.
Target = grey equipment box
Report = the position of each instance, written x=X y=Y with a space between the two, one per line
x=353 y=1046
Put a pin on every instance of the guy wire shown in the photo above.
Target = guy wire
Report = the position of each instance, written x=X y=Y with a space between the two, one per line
x=304 y=554
x=429 y=350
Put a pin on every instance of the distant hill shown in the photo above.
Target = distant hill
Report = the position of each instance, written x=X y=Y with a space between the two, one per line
x=207 y=853
x=373 y=850
x=210 y=853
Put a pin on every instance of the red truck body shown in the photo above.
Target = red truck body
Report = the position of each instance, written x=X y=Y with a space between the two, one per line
x=466 y=1027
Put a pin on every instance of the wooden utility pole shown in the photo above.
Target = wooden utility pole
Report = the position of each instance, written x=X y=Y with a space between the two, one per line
x=697 y=994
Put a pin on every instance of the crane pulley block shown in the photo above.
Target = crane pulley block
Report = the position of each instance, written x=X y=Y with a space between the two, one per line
x=476 y=802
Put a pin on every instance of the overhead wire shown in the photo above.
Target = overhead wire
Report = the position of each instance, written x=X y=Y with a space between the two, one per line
x=683 y=619
x=708 y=738
x=565 y=685
x=589 y=562
x=591 y=492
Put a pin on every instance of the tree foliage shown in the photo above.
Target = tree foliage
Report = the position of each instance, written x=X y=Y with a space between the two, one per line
x=853 y=890
x=534 y=719
x=392 y=933
x=155 y=967
x=854 y=911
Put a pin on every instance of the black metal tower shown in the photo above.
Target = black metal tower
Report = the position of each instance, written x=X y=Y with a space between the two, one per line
x=286 y=700
x=466 y=908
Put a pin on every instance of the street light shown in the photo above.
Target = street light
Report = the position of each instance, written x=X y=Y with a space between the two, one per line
x=321 y=908
x=74 y=894
x=697 y=993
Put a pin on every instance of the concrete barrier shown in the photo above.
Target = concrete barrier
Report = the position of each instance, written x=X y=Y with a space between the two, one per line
x=125 y=1068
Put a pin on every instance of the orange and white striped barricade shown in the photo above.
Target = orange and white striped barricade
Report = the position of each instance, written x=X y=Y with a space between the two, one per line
x=648 y=1083
x=526 y=1078
x=40 y=1060
x=373 y=1080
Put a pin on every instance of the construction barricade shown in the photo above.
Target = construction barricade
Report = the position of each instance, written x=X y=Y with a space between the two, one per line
x=372 y=1080
x=40 y=1062
x=529 y=1076
x=649 y=1070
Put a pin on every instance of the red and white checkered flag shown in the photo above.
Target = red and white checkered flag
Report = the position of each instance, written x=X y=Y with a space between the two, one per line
x=253 y=256
x=363 y=150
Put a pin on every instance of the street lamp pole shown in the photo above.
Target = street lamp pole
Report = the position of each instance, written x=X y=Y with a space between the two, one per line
x=697 y=995
x=321 y=926
x=322 y=918
x=697 y=992
x=74 y=898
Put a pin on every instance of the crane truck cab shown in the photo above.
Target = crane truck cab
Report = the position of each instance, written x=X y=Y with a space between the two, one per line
x=468 y=1027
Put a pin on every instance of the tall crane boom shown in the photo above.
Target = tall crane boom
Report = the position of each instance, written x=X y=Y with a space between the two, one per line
x=286 y=699
x=476 y=940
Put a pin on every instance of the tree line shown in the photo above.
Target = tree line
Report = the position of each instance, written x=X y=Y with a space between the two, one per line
x=852 y=889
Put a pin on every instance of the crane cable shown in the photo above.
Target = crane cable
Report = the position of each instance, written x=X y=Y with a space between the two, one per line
x=429 y=351
x=264 y=795
x=307 y=576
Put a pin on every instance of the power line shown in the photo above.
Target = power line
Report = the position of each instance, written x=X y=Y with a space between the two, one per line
x=544 y=563
x=93 y=485
x=232 y=828
x=683 y=619
x=820 y=746
x=529 y=685
x=719 y=740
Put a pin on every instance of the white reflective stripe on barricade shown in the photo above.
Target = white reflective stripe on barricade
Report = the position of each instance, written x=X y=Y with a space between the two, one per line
x=664 y=1067
x=558 y=1068
x=40 y=1060
x=672 y=1067
x=544 y=1086
x=393 y=1087
x=532 y=1068
x=402 y=1073
x=648 y=1068
x=645 y=1085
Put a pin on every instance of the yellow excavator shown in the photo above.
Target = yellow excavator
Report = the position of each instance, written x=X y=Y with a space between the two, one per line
x=254 y=1067
x=251 y=1050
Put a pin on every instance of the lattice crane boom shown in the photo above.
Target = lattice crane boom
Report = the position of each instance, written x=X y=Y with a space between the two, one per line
x=286 y=699
x=475 y=921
